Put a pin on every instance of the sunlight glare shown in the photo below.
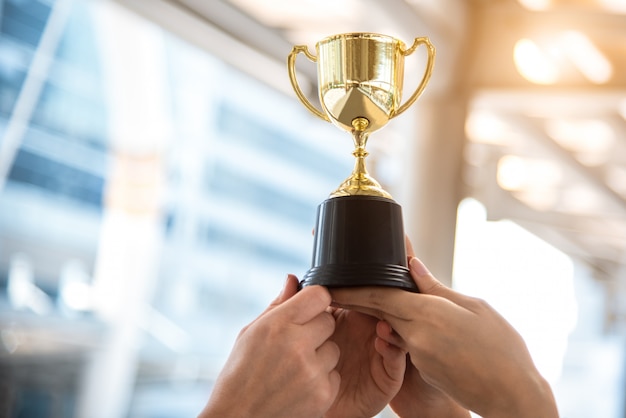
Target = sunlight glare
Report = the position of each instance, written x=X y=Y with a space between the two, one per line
x=517 y=173
x=591 y=139
x=485 y=127
x=527 y=280
x=534 y=64
x=586 y=57
x=535 y=5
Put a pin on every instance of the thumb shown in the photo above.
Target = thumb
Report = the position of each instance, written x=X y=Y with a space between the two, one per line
x=429 y=285
x=289 y=289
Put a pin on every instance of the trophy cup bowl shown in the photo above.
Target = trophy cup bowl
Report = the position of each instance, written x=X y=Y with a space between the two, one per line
x=359 y=233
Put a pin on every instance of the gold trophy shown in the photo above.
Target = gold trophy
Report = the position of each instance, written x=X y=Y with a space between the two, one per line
x=359 y=233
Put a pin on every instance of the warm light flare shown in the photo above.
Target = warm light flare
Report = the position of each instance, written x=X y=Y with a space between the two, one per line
x=535 y=5
x=517 y=173
x=590 y=139
x=534 y=64
x=615 y=6
x=546 y=61
x=586 y=57
x=622 y=108
x=616 y=179
x=485 y=127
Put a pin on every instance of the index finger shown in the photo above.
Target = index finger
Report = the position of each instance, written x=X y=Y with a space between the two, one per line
x=410 y=252
x=381 y=302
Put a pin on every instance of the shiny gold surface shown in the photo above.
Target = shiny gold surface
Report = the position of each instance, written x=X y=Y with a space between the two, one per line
x=360 y=78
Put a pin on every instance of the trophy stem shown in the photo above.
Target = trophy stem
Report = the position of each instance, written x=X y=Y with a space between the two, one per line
x=360 y=139
x=360 y=182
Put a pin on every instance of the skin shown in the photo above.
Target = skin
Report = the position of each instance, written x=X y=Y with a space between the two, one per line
x=346 y=363
x=461 y=347
x=419 y=399
x=371 y=370
x=376 y=373
x=416 y=397
x=283 y=363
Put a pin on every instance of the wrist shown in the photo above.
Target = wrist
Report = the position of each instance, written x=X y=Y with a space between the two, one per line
x=445 y=407
x=211 y=411
x=219 y=408
x=349 y=412
x=449 y=412
x=452 y=410
x=544 y=400
x=532 y=400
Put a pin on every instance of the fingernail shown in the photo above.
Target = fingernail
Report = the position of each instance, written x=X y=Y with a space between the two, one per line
x=418 y=267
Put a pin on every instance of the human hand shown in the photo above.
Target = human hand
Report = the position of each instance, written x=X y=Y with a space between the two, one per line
x=371 y=369
x=282 y=364
x=459 y=344
x=416 y=397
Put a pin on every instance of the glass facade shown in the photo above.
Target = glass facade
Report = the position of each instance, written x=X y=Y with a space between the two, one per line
x=235 y=184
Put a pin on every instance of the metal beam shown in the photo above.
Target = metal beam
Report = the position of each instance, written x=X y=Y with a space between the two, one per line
x=499 y=25
x=267 y=65
x=569 y=233
x=592 y=175
x=32 y=86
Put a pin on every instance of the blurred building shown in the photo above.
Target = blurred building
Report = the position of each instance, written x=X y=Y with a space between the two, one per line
x=227 y=200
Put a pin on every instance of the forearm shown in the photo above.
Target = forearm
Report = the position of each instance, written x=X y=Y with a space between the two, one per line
x=432 y=408
x=539 y=402
x=452 y=410
x=217 y=408
x=531 y=400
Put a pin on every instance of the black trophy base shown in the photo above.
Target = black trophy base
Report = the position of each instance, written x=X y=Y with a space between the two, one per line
x=359 y=241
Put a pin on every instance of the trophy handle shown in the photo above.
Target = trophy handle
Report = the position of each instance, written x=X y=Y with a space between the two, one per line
x=291 y=65
x=427 y=72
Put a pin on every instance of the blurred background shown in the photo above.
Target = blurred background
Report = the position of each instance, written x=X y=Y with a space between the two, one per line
x=159 y=178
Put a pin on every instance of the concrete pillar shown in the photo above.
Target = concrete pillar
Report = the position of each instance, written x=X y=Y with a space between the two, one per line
x=433 y=189
x=131 y=235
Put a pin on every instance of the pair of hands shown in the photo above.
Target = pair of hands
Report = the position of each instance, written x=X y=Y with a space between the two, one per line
x=302 y=357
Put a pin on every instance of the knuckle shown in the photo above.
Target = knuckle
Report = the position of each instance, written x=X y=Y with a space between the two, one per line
x=478 y=304
x=310 y=373
x=321 y=295
x=243 y=331
x=325 y=394
x=329 y=321
x=271 y=329
x=334 y=352
x=435 y=288
x=415 y=341
x=301 y=355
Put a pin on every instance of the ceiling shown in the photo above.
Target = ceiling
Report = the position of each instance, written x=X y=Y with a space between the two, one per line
x=563 y=143
x=544 y=80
